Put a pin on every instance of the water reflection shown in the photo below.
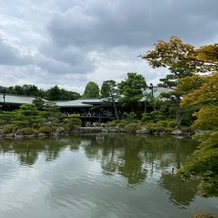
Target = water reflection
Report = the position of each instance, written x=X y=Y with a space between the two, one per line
x=87 y=168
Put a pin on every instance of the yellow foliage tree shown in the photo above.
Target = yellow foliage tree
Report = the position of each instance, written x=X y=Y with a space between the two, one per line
x=190 y=83
x=176 y=54
x=207 y=92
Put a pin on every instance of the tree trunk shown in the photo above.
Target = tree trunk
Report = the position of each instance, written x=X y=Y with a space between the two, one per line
x=115 y=107
x=177 y=102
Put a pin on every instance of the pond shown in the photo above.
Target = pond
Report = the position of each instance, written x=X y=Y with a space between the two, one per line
x=118 y=176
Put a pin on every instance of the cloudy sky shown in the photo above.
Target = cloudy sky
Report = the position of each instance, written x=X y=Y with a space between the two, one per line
x=71 y=42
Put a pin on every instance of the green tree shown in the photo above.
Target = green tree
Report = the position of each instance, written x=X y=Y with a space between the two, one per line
x=109 y=93
x=39 y=103
x=53 y=93
x=52 y=112
x=27 y=115
x=73 y=121
x=204 y=166
x=131 y=91
x=171 y=82
x=91 y=90
x=28 y=90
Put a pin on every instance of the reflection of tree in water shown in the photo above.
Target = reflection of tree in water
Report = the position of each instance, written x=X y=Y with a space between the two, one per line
x=131 y=166
x=111 y=152
x=28 y=150
x=180 y=192
x=168 y=155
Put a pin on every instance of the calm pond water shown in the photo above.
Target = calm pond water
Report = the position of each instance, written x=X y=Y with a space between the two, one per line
x=78 y=177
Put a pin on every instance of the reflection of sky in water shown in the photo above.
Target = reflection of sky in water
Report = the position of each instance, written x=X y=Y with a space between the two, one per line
x=76 y=186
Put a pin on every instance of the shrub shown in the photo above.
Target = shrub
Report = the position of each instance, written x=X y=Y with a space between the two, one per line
x=172 y=124
x=66 y=128
x=61 y=128
x=159 y=128
x=53 y=128
x=44 y=129
x=15 y=128
x=168 y=130
x=151 y=127
x=7 y=128
x=73 y=121
x=111 y=124
x=130 y=118
x=35 y=126
x=96 y=124
x=186 y=129
x=146 y=117
x=162 y=123
x=36 y=132
x=121 y=125
x=132 y=127
x=27 y=131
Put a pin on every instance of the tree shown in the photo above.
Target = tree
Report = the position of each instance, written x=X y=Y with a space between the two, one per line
x=176 y=54
x=39 y=103
x=52 y=112
x=91 y=90
x=191 y=83
x=206 y=93
x=27 y=115
x=171 y=82
x=73 y=121
x=53 y=93
x=109 y=93
x=28 y=90
x=131 y=90
x=204 y=166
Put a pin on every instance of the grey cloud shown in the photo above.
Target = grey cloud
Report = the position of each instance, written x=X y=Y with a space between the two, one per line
x=56 y=67
x=101 y=25
x=63 y=60
x=10 y=55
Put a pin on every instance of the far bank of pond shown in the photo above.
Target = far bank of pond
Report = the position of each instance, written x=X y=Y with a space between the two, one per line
x=121 y=175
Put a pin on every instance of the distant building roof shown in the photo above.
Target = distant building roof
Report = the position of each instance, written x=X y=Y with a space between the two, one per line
x=15 y=99
x=83 y=102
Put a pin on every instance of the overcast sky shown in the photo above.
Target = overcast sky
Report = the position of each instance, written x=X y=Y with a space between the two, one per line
x=71 y=42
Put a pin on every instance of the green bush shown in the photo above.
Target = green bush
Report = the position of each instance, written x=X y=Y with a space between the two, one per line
x=146 y=117
x=132 y=127
x=121 y=125
x=36 y=132
x=201 y=137
x=53 y=128
x=172 y=124
x=168 y=130
x=151 y=127
x=61 y=128
x=159 y=128
x=28 y=131
x=66 y=128
x=130 y=118
x=186 y=129
x=111 y=124
x=35 y=126
x=162 y=123
x=7 y=128
x=15 y=128
x=45 y=129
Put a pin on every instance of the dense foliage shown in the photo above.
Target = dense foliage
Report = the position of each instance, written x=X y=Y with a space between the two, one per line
x=131 y=91
x=91 y=90
x=53 y=94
